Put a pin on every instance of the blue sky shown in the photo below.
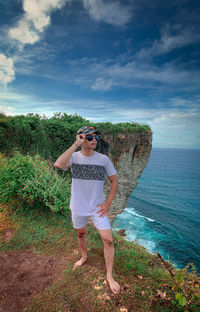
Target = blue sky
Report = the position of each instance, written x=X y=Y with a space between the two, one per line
x=118 y=61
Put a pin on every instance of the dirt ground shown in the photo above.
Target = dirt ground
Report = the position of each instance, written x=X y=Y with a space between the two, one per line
x=23 y=274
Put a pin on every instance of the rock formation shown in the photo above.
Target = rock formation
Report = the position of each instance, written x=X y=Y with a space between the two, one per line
x=129 y=153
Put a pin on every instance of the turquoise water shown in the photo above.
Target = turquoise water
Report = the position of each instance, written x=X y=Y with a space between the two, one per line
x=163 y=211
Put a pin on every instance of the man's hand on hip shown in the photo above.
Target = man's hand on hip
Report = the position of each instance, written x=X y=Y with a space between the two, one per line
x=104 y=209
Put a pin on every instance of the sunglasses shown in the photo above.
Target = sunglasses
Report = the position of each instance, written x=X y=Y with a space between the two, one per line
x=91 y=137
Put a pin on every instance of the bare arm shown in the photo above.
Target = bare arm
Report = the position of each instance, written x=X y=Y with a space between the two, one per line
x=63 y=161
x=113 y=189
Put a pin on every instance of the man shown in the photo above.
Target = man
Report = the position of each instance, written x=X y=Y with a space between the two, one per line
x=87 y=199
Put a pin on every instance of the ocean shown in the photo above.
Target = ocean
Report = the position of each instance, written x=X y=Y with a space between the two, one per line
x=163 y=211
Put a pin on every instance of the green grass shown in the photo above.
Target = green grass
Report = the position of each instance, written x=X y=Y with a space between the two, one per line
x=38 y=229
x=139 y=273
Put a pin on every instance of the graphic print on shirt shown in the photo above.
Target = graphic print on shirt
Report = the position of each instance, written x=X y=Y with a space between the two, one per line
x=88 y=172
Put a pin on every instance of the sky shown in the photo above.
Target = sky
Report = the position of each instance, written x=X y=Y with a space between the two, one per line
x=118 y=61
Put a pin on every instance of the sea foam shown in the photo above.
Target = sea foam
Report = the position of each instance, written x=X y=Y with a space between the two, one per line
x=133 y=212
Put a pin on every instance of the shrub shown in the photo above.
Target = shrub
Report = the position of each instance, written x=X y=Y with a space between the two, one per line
x=31 y=181
x=186 y=288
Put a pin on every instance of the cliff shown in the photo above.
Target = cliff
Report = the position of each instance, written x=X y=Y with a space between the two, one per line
x=129 y=153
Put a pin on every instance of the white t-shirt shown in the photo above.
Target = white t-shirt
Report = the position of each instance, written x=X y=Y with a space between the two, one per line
x=88 y=181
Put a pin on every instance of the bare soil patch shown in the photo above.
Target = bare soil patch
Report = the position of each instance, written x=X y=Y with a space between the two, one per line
x=7 y=234
x=23 y=274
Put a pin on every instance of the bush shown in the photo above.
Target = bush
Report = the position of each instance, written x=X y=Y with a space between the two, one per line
x=38 y=135
x=32 y=182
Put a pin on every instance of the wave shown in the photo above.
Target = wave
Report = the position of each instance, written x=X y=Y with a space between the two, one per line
x=164 y=212
x=154 y=204
x=146 y=201
x=132 y=211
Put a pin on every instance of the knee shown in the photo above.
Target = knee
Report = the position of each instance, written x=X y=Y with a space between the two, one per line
x=82 y=233
x=108 y=242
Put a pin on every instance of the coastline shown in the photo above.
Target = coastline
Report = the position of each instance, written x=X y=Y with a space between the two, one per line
x=164 y=206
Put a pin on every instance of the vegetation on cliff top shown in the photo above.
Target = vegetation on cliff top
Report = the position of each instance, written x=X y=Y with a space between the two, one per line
x=35 y=134
x=34 y=204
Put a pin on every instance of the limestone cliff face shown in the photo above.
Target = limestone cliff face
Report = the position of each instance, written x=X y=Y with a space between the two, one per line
x=129 y=153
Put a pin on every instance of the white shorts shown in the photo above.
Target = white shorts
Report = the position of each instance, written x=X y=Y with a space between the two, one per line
x=101 y=223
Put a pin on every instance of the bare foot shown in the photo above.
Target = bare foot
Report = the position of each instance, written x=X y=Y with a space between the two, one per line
x=79 y=262
x=114 y=286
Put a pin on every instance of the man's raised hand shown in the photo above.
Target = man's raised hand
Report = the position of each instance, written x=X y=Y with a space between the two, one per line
x=80 y=138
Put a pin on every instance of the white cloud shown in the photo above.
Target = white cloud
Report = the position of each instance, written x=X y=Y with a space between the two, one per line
x=35 y=19
x=138 y=75
x=172 y=37
x=23 y=33
x=38 y=11
x=176 y=36
x=7 y=73
x=112 y=73
x=176 y=129
x=110 y=12
x=179 y=102
x=8 y=96
x=7 y=110
x=101 y=84
x=176 y=118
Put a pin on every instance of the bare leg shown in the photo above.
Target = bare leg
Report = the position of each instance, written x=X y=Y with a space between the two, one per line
x=82 y=244
x=106 y=236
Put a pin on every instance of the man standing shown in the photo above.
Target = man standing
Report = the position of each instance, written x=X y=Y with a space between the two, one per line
x=87 y=199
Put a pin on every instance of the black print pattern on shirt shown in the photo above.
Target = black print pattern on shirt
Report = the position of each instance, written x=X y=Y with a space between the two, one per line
x=88 y=172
